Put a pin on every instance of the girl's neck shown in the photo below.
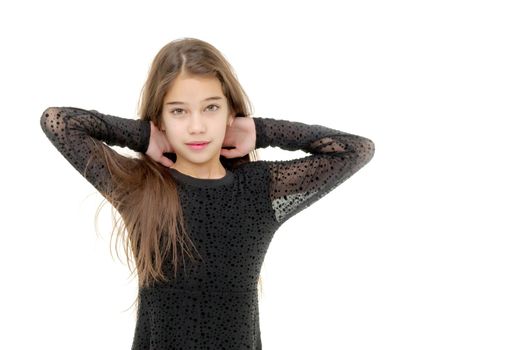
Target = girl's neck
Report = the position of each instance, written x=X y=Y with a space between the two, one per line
x=215 y=173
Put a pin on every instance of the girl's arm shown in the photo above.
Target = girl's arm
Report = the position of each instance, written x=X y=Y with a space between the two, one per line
x=75 y=131
x=296 y=184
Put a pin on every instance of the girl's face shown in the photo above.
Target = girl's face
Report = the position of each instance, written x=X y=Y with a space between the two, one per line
x=195 y=109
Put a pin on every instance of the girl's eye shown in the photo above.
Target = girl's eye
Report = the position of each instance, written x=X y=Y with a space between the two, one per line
x=176 y=110
x=214 y=106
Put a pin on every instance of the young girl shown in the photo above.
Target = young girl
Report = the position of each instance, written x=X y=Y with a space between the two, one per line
x=198 y=191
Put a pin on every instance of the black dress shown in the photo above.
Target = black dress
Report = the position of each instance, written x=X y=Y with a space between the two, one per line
x=231 y=220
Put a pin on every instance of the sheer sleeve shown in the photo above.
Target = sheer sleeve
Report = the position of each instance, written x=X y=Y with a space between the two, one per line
x=296 y=184
x=75 y=132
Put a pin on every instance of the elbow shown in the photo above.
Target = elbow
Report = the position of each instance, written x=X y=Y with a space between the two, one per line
x=51 y=111
x=367 y=150
x=50 y=119
x=371 y=148
x=44 y=118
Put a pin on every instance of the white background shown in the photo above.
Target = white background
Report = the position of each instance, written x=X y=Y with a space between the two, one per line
x=423 y=248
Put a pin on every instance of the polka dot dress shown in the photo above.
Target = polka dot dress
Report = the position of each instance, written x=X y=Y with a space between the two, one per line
x=213 y=302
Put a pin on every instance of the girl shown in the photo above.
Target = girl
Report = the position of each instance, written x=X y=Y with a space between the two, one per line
x=198 y=191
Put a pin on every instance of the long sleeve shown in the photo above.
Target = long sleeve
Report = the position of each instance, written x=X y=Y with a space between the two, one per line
x=75 y=131
x=296 y=184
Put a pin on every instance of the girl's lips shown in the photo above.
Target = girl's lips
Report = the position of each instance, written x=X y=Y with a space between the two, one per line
x=197 y=146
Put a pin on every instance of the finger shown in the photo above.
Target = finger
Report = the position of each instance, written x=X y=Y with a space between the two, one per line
x=230 y=153
x=166 y=161
x=226 y=152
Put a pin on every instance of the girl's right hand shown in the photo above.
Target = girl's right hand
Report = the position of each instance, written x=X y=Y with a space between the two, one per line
x=159 y=144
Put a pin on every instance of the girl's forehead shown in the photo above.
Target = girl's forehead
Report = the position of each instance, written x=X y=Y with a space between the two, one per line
x=193 y=89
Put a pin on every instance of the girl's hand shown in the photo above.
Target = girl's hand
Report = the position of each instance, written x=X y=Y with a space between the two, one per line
x=158 y=144
x=241 y=136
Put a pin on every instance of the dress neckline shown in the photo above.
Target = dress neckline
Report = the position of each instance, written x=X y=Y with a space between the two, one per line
x=195 y=181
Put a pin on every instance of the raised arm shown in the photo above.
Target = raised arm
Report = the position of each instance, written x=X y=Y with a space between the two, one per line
x=75 y=132
x=296 y=184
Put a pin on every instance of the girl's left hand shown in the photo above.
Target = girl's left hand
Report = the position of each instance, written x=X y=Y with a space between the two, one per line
x=241 y=136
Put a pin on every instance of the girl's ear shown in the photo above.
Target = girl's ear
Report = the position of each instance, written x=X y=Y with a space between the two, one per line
x=230 y=119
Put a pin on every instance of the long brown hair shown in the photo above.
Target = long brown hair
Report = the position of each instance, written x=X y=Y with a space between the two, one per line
x=151 y=222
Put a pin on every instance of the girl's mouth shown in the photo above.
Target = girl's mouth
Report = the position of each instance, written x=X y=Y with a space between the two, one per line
x=197 y=146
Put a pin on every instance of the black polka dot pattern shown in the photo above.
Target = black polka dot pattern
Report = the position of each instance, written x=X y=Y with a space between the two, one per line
x=213 y=302
x=73 y=131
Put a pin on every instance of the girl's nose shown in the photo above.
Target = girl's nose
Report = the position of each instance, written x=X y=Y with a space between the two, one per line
x=196 y=124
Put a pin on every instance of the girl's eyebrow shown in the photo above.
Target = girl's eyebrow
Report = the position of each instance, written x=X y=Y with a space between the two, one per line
x=207 y=99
